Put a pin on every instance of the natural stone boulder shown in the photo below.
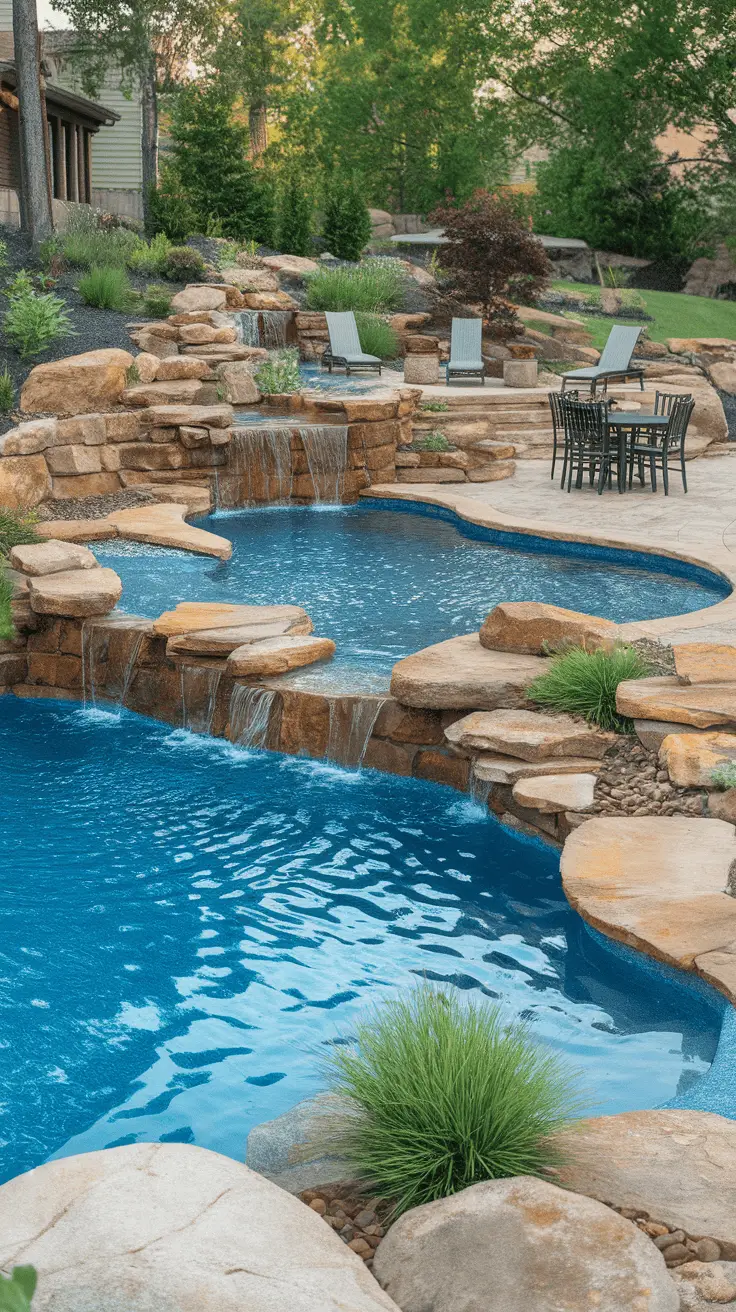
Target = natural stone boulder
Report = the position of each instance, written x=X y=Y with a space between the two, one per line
x=147 y=365
x=175 y=1228
x=24 y=481
x=174 y=391
x=701 y=1285
x=294 y=265
x=172 y=416
x=507 y=769
x=195 y=616
x=553 y=793
x=74 y=460
x=239 y=383
x=250 y=280
x=705 y=662
x=723 y=805
x=270 y=301
x=703 y=705
x=288 y=1150
x=533 y=627
x=460 y=674
x=658 y=883
x=690 y=759
x=75 y=593
x=197 y=297
x=677 y=1167
x=51 y=557
x=181 y=366
x=222 y=642
x=529 y=734
x=29 y=438
x=521 y=1245
x=723 y=376
x=278 y=655
x=94 y=380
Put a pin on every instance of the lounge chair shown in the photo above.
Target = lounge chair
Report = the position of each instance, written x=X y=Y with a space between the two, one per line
x=466 y=357
x=344 y=348
x=615 y=362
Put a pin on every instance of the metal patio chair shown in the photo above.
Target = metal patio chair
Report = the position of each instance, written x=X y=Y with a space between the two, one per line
x=615 y=361
x=590 y=448
x=466 y=356
x=344 y=349
x=556 y=405
x=657 y=448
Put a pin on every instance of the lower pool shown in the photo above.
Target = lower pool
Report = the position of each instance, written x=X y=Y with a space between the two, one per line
x=386 y=580
x=184 y=926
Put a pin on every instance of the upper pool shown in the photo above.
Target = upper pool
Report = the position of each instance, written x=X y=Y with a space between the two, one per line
x=383 y=579
x=185 y=925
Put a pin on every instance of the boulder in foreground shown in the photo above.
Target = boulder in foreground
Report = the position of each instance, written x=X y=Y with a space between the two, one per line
x=459 y=674
x=531 y=735
x=521 y=1245
x=270 y=656
x=533 y=627
x=75 y=593
x=173 y=1228
x=94 y=380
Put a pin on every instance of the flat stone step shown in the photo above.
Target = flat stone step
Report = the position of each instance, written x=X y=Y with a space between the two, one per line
x=195 y=616
x=691 y=758
x=553 y=793
x=278 y=655
x=704 y=705
x=459 y=674
x=75 y=593
x=508 y=769
x=532 y=735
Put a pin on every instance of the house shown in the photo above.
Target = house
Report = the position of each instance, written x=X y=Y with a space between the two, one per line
x=95 y=147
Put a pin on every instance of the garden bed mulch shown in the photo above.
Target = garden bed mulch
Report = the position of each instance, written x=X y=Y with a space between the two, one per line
x=94 y=507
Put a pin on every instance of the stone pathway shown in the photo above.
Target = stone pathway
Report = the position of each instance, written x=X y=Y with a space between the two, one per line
x=700 y=526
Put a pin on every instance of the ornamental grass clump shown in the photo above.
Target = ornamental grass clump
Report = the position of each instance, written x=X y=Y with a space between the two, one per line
x=376 y=286
x=376 y=336
x=584 y=683
x=106 y=287
x=445 y=1094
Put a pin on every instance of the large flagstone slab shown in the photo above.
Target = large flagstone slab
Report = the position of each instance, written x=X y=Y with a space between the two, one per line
x=553 y=793
x=460 y=674
x=703 y=705
x=531 y=735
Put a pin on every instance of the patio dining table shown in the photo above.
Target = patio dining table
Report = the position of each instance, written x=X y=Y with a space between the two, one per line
x=627 y=424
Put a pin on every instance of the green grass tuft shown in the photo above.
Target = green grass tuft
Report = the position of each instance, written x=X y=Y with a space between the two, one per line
x=376 y=286
x=107 y=288
x=376 y=336
x=723 y=777
x=585 y=682
x=280 y=373
x=17 y=527
x=446 y=1095
x=7 y=391
x=435 y=441
x=437 y=407
x=157 y=300
x=7 y=628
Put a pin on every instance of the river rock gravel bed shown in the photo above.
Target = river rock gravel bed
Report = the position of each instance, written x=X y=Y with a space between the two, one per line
x=94 y=507
x=631 y=782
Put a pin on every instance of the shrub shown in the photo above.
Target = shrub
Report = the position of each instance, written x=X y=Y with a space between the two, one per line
x=7 y=391
x=150 y=258
x=4 y=257
x=585 y=682
x=184 y=264
x=35 y=320
x=376 y=336
x=227 y=254
x=492 y=255
x=17 y=527
x=724 y=776
x=377 y=286
x=157 y=300
x=107 y=288
x=446 y=1095
x=280 y=373
x=295 y=218
x=17 y=1289
x=438 y=407
x=170 y=212
x=346 y=228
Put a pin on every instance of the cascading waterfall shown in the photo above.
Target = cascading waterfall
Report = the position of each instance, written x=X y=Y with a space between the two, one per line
x=93 y=640
x=326 y=450
x=479 y=789
x=198 y=697
x=352 y=720
x=250 y=715
x=130 y=664
x=259 y=468
x=263 y=328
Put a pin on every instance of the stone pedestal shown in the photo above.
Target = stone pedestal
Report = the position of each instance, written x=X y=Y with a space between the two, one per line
x=520 y=373
x=422 y=369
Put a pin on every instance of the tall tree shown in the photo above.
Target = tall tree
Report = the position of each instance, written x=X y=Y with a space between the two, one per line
x=35 y=199
x=260 y=51
x=151 y=42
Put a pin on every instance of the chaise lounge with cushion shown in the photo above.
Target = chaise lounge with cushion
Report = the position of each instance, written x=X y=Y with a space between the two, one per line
x=344 y=349
x=615 y=361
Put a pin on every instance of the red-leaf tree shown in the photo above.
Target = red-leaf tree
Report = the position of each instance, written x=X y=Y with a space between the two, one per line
x=491 y=254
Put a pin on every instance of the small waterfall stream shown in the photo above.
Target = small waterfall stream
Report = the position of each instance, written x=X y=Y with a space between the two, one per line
x=479 y=789
x=259 y=468
x=327 y=457
x=199 y=686
x=266 y=328
x=352 y=720
x=250 y=715
x=96 y=640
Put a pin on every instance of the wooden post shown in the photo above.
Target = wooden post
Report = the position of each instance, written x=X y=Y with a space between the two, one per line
x=81 y=171
x=35 y=204
x=60 y=153
x=88 y=164
x=73 y=163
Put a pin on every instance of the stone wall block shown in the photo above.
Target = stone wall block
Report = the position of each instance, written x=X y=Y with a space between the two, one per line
x=88 y=429
x=123 y=426
x=29 y=438
x=386 y=475
x=47 y=638
x=110 y=458
x=403 y=724
x=142 y=455
x=54 y=669
x=442 y=769
x=381 y=457
x=85 y=485
x=305 y=724
x=24 y=481
x=12 y=669
x=391 y=758
x=74 y=460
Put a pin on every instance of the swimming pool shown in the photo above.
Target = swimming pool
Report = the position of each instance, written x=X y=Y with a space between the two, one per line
x=184 y=926
x=384 y=580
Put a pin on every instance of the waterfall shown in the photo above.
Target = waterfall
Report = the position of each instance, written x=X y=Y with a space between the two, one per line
x=250 y=715
x=351 y=725
x=199 y=686
x=247 y=326
x=91 y=652
x=259 y=468
x=327 y=457
x=263 y=327
x=479 y=789
x=135 y=647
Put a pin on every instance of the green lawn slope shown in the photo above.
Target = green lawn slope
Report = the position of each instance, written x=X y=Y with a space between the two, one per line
x=673 y=315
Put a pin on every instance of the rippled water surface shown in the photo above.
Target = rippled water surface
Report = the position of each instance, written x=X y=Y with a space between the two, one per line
x=184 y=926
x=384 y=583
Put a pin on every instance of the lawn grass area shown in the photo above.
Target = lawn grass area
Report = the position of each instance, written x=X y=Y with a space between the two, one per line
x=673 y=315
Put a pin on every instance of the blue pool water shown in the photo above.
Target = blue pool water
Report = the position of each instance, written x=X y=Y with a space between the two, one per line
x=184 y=926
x=384 y=582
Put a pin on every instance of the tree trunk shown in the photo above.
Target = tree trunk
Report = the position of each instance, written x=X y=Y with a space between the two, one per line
x=34 y=181
x=149 y=135
x=258 y=130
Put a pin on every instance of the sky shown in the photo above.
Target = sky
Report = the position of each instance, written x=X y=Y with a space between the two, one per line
x=48 y=17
